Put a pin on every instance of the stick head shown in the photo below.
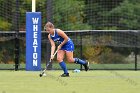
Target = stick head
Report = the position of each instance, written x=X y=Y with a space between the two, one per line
x=40 y=75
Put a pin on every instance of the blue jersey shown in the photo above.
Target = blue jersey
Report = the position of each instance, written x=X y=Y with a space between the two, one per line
x=68 y=46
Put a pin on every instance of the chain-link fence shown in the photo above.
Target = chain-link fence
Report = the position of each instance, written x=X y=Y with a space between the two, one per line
x=115 y=49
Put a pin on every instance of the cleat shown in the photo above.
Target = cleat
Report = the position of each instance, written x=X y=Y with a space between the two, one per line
x=65 y=75
x=86 y=66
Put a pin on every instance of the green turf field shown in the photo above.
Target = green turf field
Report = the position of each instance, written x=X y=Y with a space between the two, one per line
x=84 y=82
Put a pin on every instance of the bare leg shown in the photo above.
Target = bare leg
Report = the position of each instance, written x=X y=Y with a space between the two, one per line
x=60 y=57
x=70 y=58
x=69 y=55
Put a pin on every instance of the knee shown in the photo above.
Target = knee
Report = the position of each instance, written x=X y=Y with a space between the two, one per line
x=70 y=59
x=59 y=59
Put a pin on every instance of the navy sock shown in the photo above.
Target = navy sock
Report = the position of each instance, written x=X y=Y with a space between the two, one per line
x=79 y=61
x=63 y=66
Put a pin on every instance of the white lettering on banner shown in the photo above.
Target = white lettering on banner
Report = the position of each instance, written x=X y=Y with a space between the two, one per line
x=35 y=35
x=35 y=42
x=35 y=27
x=34 y=62
x=35 y=20
x=35 y=59
x=35 y=48
x=34 y=55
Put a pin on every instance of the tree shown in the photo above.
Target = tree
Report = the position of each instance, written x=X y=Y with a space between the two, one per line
x=6 y=11
x=69 y=15
x=128 y=14
x=113 y=14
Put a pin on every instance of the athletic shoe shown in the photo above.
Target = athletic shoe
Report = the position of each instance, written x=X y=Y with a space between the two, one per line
x=65 y=75
x=86 y=66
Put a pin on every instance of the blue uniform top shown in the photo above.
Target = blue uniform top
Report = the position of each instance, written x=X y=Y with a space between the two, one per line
x=68 y=46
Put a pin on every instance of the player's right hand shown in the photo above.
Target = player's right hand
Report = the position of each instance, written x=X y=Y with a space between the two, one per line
x=52 y=57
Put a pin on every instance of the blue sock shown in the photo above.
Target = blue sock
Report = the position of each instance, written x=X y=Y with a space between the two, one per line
x=63 y=66
x=79 y=61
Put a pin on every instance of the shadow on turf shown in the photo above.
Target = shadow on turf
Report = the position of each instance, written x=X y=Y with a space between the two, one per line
x=58 y=79
x=127 y=79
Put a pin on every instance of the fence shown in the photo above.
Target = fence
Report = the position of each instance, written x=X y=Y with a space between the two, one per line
x=113 y=22
x=104 y=49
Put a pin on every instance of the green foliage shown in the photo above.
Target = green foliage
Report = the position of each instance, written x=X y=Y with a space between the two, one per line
x=5 y=25
x=129 y=14
x=69 y=15
x=111 y=58
x=6 y=52
x=103 y=55
x=26 y=6
x=6 y=12
x=75 y=15
x=112 y=14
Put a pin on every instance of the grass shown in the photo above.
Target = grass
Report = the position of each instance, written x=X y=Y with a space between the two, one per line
x=83 y=82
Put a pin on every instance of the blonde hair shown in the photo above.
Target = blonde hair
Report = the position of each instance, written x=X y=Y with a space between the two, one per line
x=50 y=25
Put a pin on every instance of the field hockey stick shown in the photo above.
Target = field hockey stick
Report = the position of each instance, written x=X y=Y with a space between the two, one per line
x=41 y=74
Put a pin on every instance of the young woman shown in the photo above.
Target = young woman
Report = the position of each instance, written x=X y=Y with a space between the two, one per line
x=66 y=46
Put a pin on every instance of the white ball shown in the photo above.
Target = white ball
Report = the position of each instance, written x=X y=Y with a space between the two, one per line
x=76 y=71
x=44 y=75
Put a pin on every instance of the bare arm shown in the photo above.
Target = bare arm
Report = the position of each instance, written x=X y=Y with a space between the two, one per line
x=52 y=46
x=63 y=35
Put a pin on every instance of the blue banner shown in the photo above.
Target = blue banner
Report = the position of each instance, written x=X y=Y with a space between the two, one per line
x=33 y=41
